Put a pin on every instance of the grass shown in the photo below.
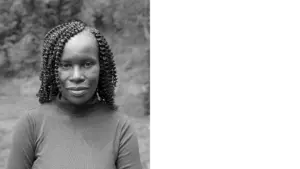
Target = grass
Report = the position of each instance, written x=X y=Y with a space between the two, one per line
x=18 y=94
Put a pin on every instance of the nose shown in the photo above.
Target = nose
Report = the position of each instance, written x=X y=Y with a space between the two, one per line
x=77 y=76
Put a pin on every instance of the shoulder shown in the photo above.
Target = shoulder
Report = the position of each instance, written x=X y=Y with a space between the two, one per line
x=125 y=124
x=122 y=119
x=29 y=123
x=32 y=117
x=40 y=110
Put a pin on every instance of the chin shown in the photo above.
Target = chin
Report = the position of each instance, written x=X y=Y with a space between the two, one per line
x=78 y=101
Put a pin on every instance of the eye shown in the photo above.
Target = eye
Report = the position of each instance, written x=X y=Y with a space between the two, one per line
x=65 y=65
x=88 y=64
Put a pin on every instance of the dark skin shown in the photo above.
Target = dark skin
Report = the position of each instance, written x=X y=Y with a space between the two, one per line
x=79 y=69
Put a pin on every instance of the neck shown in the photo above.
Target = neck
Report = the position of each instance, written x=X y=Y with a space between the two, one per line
x=82 y=109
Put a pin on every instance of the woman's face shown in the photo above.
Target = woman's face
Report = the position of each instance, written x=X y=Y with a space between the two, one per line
x=79 y=68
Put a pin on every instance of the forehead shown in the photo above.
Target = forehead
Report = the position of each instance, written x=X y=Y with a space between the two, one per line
x=81 y=45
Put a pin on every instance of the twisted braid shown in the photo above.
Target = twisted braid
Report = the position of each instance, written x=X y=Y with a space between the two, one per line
x=53 y=46
x=49 y=41
x=108 y=74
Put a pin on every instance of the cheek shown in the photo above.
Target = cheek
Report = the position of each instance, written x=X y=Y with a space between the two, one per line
x=62 y=76
x=93 y=75
x=94 y=72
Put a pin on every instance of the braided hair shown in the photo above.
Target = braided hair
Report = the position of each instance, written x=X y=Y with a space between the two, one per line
x=54 y=42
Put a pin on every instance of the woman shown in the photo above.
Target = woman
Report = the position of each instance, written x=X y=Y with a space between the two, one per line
x=77 y=125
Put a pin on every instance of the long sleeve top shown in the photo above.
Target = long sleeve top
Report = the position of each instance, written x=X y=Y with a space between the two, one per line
x=58 y=136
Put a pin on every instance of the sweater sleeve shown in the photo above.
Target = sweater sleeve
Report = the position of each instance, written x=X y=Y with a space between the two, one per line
x=128 y=154
x=22 y=151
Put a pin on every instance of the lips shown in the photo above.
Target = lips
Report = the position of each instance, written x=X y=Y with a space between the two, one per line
x=77 y=88
x=77 y=91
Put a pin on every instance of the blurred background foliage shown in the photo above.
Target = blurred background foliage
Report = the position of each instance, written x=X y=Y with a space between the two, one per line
x=124 y=23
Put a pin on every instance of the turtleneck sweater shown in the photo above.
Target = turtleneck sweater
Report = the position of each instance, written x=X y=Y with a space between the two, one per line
x=59 y=135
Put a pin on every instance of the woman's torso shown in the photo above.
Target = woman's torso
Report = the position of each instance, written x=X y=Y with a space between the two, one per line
x=71 y=142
